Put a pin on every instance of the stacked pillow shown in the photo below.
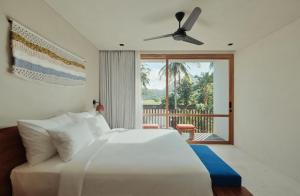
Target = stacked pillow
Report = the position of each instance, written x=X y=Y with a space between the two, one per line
x=70 y=138
x=97 y=123
x=65 y=134
x=36 y=140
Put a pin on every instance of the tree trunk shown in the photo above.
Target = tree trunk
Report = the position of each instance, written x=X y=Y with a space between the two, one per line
x=175 y=89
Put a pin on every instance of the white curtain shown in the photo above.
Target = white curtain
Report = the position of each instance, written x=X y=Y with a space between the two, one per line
x=138 y=92
x=120 y=91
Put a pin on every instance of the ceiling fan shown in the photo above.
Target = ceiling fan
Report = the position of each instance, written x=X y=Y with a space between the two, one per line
x=180 y=33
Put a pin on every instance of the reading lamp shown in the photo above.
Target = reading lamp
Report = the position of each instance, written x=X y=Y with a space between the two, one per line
x=99 y=107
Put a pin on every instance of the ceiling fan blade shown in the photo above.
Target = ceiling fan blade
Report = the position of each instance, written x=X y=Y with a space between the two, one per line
x=192 y=40
x=158 y=37
x=191 y=19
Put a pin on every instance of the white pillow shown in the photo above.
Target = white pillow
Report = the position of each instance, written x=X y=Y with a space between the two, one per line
x=102 y=124
x=69 y=139
x=120 y=130
x=94 y=126
x=90 y=119
x=93 y=112
x=97 y=123
x=35 y=138
x=81 y=115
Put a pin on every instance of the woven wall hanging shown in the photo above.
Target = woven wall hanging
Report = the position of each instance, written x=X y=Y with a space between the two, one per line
x=36 y=58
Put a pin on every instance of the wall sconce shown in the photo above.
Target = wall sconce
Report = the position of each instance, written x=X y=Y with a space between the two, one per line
x=95 y=102
x=99 y=107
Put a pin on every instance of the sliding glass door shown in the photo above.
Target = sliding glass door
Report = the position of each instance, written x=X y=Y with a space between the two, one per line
x=190 y=91
x=153 y=82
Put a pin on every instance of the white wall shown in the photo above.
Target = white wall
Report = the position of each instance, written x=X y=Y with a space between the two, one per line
x=221 y=97
x=267 y=100
x=25 y=99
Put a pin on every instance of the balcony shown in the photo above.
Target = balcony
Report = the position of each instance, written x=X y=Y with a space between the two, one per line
x=204 y=122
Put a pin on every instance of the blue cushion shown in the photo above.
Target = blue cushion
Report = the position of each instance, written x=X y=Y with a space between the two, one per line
x=221 y=174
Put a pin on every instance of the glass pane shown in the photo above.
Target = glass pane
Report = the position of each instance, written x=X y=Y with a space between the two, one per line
x=199 y=84
x=221 y=127
x=221 y=87
x=154 y=91
x=190 y=88
x=198 y=89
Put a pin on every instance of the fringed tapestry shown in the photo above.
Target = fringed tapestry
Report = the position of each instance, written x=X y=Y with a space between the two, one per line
x=35 y=58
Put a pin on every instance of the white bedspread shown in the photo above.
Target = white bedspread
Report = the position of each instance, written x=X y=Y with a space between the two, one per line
x=136 y=163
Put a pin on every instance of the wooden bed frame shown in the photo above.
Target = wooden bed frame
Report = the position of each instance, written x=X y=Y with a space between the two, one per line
x=12 y=154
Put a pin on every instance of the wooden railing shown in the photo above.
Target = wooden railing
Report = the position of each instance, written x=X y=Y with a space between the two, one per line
x=203 y=120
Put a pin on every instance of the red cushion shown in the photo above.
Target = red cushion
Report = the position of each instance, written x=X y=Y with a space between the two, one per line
x=150 y=126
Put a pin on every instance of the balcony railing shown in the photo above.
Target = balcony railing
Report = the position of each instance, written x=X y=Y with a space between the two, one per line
x=203 y=120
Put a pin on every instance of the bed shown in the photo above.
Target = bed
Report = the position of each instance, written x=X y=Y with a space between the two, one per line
x=133 y=162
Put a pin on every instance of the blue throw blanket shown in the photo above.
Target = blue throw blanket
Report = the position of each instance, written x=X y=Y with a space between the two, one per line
x=221 y=174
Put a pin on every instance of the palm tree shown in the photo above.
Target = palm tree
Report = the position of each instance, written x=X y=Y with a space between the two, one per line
x=207 y=80
x=174 y=69
x=145 y=71
x=204 y=87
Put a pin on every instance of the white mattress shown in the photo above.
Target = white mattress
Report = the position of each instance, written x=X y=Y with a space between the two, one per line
x=33 y=180
x=131 y=163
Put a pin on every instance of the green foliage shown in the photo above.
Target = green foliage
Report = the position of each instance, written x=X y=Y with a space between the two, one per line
x=203 y=90
x=171 y=102
x=155 y=94
x=195 y=92
x=175 y=69
x=151 y=102
x=185 y=92
x=145 y=71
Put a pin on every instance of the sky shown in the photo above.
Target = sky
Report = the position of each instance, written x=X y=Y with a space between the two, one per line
x=196 y=68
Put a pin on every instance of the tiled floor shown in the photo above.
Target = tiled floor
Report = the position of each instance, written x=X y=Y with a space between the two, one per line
x=258 y=178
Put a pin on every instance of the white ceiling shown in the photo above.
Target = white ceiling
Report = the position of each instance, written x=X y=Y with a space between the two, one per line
x=106 y=23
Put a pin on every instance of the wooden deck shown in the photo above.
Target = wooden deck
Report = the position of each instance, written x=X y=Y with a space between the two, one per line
x=203 y=137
